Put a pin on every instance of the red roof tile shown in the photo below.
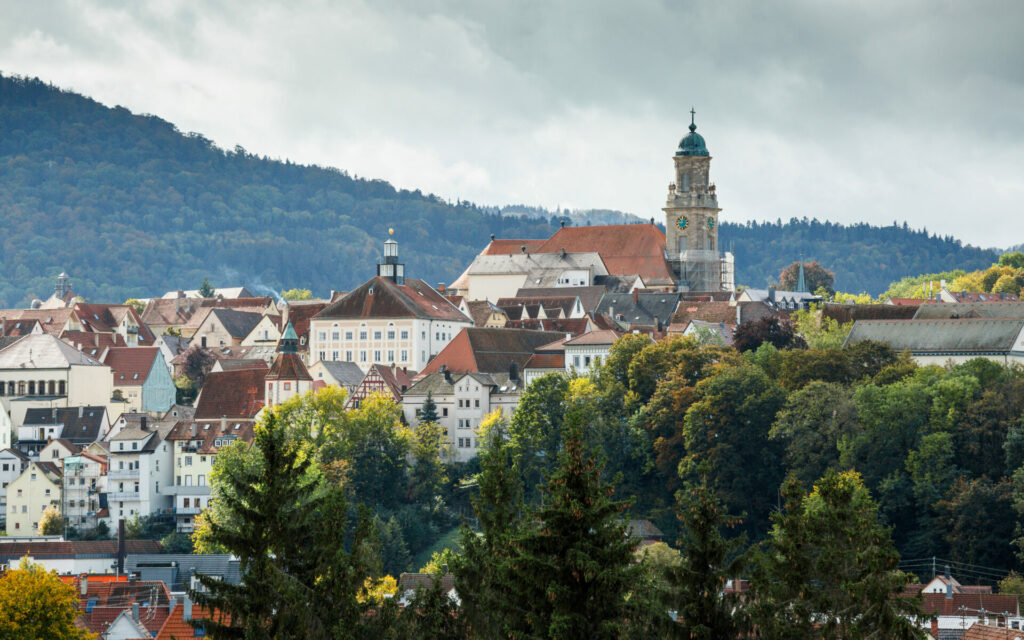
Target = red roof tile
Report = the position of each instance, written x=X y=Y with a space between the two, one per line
x=626 y=249
x=910 y=301
x=979 y=631
x=288 y=366
x=52 y=321
x=300 y=313
x=503 y=247
x=113 y=598
x=381 y=298
x=939 y=604
x=234 y=394
x=603 y=336
x=131 y=365
x=575 y=326
x=546 y=361
x=176 y=627
x=487 y=350
x=980 y=296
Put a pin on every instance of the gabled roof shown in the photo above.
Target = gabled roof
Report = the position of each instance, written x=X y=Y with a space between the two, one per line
x=481 y=310
x=301 y=312
x=43 y=351
x=600 y=337
x=408 y=582
x=348 y=374
x=546 y=361
x=975 y=335
x=843 y=313
x=639 y=308
x=437 y=384
x=489 y=350
x=970 y=310
x=626 y=249
x=18 y=328
x=79 y=425
x=288 y=366
x=507 y=246
x=980 y=296
x=972 y=603
x=228 y=293
x=177 y=628
x=93 y=344
x=131 y=365
x=238 y=324
x=589 y=297
x=109 y=600
x=15 y=453
x=575 y=326
x=913 y=302
x=705 y=311
x=566 y=303
x=208 y=433
x=52 y=321
x=216 y=564
x=106 y=318
x=382 y=298
x=234 y=394
x=981 y=631
x=71 y=549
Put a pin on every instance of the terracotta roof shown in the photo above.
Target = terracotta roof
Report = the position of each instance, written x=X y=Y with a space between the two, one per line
x=489 y=350
x=979 y=631
x=381 y=298
x=131 y=365
x=939 y=604
x=506 y=246
x=244 y=363
x=396 y=378
x=177 y=628
x=706 y=311
x=546 y=361
x=52 y=321
x=93 y=344
x=235 y=394
x=163 y=311
x=603 y=336
x=104 y=601
x=18 y=328
x=575 y=326
x=481 y=310
x=70 y=549
x=206 y=433
x=589 y=297
x=288 y=366
x=626 y=249
x=300 y=313
x=566 y=304
x=106 y=318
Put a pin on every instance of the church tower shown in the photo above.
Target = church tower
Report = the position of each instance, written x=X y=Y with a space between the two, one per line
x=691 y=218
x=287 y=377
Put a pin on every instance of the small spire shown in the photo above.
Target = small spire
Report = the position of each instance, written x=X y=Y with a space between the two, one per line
x=693 y=114
x=801 y=285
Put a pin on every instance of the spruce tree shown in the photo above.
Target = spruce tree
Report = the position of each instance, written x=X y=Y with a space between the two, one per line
x=431 y=613
x=428 y=412
x=206 y=289
x=482 y=569
x=572 y=564
x=709 y=560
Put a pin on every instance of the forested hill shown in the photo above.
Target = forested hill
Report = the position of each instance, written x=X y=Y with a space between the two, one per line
x=132 y=207
x=863 y=257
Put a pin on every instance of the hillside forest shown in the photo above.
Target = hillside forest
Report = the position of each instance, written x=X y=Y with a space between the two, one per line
x=132 y=207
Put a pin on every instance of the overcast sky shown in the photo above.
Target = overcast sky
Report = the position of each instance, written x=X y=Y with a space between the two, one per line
x=848 y=111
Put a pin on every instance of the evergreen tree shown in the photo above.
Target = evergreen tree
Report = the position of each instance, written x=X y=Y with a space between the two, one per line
x=697 y=584
x=428 y=413
x=572 y=564
x=481 y=571
x=431 y=613
x=206 y=289
x=287 y=531
x=829 y=569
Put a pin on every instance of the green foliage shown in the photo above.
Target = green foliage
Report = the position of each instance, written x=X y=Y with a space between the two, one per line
x=428 y=412
x=206 y=289
x=176 y=543
x=921 y=286
x=297 y=294
x=816 y=278
x=818 y=331
x=1013 y=259
x=36 y=604
x=441 y=562
x=831 y=539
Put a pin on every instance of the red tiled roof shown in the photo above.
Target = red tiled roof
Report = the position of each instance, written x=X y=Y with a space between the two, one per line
x=489 y=350
x=980 y=296
x=131 y=365
x=939 y=604
x=300 y=313
x=177 y=628
x=92 y=344
x=381 y=298
x=546 y=361
x=626 y=249
x=288 y=366
x=503 y=247
x=15 y=328
x=575 y=326
x=208 y=432
x=113 y=598
x=75 y=547
x=910 y=301
x=979 y=631
x=603 y=336
x=234 y=394
x=706 y=311
x=105 y=318
x=52 y=321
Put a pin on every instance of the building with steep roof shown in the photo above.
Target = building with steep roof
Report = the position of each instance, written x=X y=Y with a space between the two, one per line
x=391 y=382
x=225 y=327
x=42 y=371
x=140 y=468
x=37 y=488
x=80 y=426
x=141 y=378
x=114 y=320
x=388 y=320
x=346 y=375
x=463 y=400
x=84 y=489
x=235 y=394
x=585 y=353
x=483 y=350
x=288 y=376
x=944 y=341
x=490 y=277
x=12 y=463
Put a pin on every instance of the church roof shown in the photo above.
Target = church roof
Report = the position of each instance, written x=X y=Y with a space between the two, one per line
x=625 y=249
x=692 y=143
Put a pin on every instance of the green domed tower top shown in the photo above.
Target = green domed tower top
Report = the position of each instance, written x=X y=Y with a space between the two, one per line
x=692 y=143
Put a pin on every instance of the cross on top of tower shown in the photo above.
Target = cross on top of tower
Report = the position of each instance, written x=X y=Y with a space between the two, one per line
x=693 y=113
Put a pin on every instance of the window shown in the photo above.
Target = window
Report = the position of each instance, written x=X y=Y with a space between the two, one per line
x=376 y=356
x=188 y=461
x=391 y=334
x=287 y=386
x=575 y=361
x=323 y=335
x=33 y=476
x=201 y=481
x=348 y=356
x=47 y=492
x=334 y=355
x=203 y=458
x=437 y=336
x=376 y=335
x=188 y=481
x=478 y=403
x=348 y=335
x=323 y=355
x=186 y=503
x=362 y=335
x=405 y=355
x=444 y=412
x=178 y=481
x=362 y=356
x=335 y=335
x=405 y=334
x=135 y=445
x=391 y=358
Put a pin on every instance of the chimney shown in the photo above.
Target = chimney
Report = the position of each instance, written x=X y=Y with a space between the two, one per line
x=186 y=606
x=440 y=287
x=83 y=583
x=771 y=294
x=562 y=224
x=935 y=628
x=135 y=611
x=81 y=412
x=120 y=546
x=513 y=371
x=223 y=424
x=173 y=602
x=143 y=423
x=636 y=296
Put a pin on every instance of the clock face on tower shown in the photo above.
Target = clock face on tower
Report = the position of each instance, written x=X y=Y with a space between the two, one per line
x=681 y=222
x=711 y=223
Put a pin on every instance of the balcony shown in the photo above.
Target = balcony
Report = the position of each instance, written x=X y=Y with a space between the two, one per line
x=123 y=474
x=187 y=511
x=123 y=496
x=187 y=490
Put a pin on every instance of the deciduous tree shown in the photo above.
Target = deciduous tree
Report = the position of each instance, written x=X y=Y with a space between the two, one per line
x=36 y=604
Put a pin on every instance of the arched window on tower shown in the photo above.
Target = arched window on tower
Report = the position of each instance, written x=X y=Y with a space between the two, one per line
x=684 y=182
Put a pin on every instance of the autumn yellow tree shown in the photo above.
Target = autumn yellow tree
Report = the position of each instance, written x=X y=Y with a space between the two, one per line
x=34 y=604
x=51 y=523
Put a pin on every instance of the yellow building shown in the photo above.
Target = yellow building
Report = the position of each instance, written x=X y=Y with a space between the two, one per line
x=29 y=495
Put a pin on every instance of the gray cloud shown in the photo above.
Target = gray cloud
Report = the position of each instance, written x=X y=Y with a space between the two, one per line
x=850 y=111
